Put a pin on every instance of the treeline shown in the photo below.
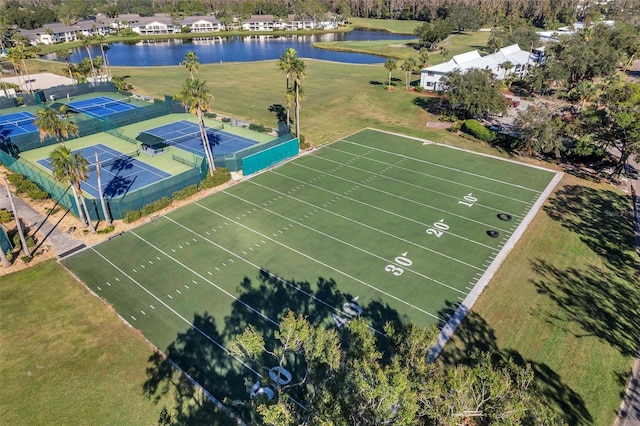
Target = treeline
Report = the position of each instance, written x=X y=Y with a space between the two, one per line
x=29 y=14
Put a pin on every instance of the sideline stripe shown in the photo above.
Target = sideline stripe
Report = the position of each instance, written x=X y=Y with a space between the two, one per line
x=444 y=167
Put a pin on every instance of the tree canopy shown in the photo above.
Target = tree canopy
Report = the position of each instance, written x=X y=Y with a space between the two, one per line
x=473 y=93
x=317 y=375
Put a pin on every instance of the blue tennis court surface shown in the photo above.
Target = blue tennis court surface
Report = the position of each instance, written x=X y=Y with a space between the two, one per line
x=120 y=172
x=101 y=106
x=186 y=135
x=17 y=124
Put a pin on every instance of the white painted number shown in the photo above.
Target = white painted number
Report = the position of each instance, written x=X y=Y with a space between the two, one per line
x=256 y=390
x=437 y=229
x=401 y=260
x=352 y=309
x=468 y=200
x=280 y=375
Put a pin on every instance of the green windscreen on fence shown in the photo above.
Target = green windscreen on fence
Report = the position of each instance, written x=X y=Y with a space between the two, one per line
x=270 y=156
x=233 y=161
x=5 y=244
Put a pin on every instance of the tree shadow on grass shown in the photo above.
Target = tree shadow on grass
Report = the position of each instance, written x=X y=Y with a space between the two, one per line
x=431 y=104
x=603 y=220
x=476 y=334
x=200 y=352
x=593 y=302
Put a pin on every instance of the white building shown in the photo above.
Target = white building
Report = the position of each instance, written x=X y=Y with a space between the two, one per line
x=520 y=62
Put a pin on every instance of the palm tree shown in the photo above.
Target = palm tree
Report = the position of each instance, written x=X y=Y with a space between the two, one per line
x=506 y=66
x=20 y=53
x=298 y=71
x=444 y=52
x=191 y=63
x=105 y=211
x=390 y=65
x=285 y=63
x=197 y=98
x=86 y=42
x=71 y=169
x=101 y=40
x=408 y=65
x=585 y=91
x=64 y=54
x=423 y=57
x=55 y=124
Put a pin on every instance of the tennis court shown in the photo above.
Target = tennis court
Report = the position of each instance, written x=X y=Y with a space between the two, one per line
x=120 y=173
x=101 y=106
x=186 y=135
x=17 y=124
x=376 y=225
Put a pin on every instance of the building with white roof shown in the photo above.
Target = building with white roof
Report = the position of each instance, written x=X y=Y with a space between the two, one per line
x=519 y=59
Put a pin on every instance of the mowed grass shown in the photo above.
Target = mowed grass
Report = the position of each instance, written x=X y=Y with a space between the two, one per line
x=343 y=98
x=567 y=301
x=348 y=224
x=66 y=358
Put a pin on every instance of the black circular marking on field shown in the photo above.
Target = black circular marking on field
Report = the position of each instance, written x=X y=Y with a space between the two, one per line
x=504 y=216
x=493 y=234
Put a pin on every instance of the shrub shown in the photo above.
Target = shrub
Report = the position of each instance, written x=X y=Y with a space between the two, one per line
x=302 y=141
x=10 y=255
x=38 y=194
x=185 y=193
x=155 y=206
x=15 y=178
x=5 y=216
x=260 y=128
x=455 y=127
x=474 y=128
x=226 y=120
x=132 y=216
x=17 y=244
x=220 y=176
x=107 y=230
x=209 y=114
x=26 y=259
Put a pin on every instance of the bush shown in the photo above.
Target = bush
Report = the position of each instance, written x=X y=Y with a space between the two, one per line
x=25 y=259
x=455 y=127
x=37 y=194
x=220 y=176
x=209 y=114
x=15 y=178
x=474 y=128
x=155 y=206
x=302 y=142
x=17 y=244
x=185 y=193
x=226 y=120
x=5 y=216
x=109 y=229
x=260 y=128
x=132 y=216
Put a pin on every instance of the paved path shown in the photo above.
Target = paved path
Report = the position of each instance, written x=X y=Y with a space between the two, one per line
x=61 y=241
x=629 y=412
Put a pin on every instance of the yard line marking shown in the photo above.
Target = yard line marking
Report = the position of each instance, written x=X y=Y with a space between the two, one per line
x=143 y=312
x=404 y=170
x=117 y=279
x=108 y=283
x=330 y=266
x=99 y=288
x=151 y=262
x=260 y=314
x=285 y=282
x=158 y=258
x=176 y=313
x=361 y=224
x=173 y=251
x=151 y=306
x=445 y=167
x=178 y=291
x=194 y=281
x=186 y=286
x=134 y=318
x=134 y=270
x=169 y=296
x=217 y=269
x=387 y=211
x=209 y=272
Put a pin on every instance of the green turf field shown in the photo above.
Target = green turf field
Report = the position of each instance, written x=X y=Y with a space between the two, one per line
x=378 y=225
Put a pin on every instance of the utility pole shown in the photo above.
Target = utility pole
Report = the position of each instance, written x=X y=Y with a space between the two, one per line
x=17 y=219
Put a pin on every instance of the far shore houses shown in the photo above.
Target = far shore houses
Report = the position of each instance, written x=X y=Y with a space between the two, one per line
x=165 y=24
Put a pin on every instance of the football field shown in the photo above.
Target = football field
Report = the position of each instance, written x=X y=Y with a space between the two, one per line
x=376 y=225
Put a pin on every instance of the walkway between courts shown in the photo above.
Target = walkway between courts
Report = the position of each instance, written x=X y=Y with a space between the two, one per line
x=61 y=241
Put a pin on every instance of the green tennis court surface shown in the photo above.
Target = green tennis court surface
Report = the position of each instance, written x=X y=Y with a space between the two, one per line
x=377 y=225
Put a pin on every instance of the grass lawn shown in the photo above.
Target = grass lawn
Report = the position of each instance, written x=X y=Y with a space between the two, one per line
x=66 y=358
x=402 y=27
x=564 y=299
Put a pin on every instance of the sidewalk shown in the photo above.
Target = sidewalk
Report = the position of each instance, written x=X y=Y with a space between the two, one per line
x=62 y=242
x=629 y=412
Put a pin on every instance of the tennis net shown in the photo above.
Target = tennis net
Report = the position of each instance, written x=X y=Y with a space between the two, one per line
x=124 y=158
x=17 y=123
x=193 y=135
x=101 y=105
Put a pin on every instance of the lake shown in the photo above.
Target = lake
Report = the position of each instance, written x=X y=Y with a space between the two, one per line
x=236 y=49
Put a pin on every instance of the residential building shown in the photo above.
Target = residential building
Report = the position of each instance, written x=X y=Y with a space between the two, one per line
x=519 y=59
